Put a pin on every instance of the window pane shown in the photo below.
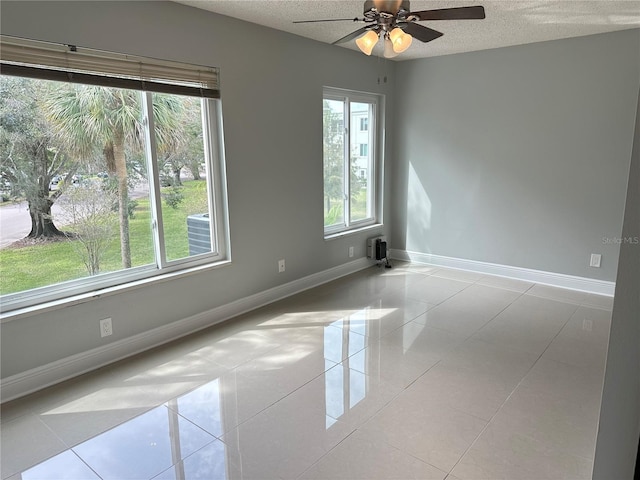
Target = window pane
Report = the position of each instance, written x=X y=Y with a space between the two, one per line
x=183 y=177
x=334 y=164
x=361 y=163
x=88 y=209
x=73 y=159
x=350 y=198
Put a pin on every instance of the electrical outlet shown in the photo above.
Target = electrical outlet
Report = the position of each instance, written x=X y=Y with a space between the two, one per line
x=281 y=266
x=350 y=252
x=595 y=260
x=106 y=328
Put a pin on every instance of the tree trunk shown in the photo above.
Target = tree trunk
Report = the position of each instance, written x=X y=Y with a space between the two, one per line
x=123 y=197
x=42 y=225
x=37 y=194
x=93 y=259
x=177 y=181
x=195 y=170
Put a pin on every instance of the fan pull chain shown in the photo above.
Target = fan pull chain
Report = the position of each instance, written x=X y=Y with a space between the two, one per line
x=384 y=78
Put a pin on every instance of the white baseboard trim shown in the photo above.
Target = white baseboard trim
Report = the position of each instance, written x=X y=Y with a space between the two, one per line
x=38 y=378
x=589 y=285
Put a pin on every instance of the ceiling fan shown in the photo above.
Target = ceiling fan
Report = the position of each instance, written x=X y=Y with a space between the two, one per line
x=395 y=23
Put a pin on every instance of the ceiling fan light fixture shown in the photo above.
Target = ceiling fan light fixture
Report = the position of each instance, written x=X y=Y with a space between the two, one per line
x=367 y=41
x=400 y=40
x=389 y=51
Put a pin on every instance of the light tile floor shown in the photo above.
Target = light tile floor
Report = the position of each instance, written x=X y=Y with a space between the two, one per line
x=413 y=372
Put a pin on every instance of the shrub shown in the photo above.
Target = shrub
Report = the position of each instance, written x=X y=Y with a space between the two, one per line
x=174 y=197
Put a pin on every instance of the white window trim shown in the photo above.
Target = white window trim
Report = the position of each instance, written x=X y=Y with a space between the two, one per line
x=79 y=298
x=376 y=150
x=78 y=290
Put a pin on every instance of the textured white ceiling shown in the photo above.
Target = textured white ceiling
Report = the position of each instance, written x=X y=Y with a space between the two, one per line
x=508 y=22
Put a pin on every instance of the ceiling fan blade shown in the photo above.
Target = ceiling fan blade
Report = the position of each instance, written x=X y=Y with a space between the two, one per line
x=422 y=33
x=459 y=13
x=331 y=20
x=352 y=35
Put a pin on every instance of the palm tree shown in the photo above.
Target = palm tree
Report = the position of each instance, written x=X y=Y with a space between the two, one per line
x=90 y=116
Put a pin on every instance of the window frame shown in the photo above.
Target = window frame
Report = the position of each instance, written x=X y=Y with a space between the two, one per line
x=72 y=291
x=375 y=131
x=211 y=117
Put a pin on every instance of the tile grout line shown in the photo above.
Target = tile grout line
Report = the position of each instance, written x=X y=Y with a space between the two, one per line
x=516 y=387
x=509 y=396
x=357 y=425
x=389 y=401
x=67 y=449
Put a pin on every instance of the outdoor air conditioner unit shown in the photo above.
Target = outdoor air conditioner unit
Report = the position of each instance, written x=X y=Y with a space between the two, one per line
x=199 y=233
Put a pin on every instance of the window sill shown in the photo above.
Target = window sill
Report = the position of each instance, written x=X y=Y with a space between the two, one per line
x=71 y=300
x=354 y=231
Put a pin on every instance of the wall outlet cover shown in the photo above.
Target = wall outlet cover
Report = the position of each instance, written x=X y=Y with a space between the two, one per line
x=106 y=328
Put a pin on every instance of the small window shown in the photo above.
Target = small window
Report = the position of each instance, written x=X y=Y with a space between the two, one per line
x=351 y=160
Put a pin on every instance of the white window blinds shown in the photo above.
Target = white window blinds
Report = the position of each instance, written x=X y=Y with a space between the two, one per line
x=68 y=63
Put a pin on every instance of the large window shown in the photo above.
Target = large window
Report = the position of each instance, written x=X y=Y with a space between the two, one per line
x=112 y=170
x=351 y=162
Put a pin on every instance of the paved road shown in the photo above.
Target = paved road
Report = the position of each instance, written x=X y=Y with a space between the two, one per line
x=15 y=222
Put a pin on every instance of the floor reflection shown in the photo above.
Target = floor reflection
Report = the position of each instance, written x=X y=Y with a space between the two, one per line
x=66 y=465
x=346 y=383
x=181 y=439
x=341 y=382
x=202 y=407
x=150 y=444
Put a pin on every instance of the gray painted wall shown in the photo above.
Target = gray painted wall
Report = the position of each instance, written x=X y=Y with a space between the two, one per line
x=517 y=156
x=272 y=107
x=619 y=428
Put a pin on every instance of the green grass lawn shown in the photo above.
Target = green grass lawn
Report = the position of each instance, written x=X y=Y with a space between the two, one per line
x=335 y=213
x=50 y=263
